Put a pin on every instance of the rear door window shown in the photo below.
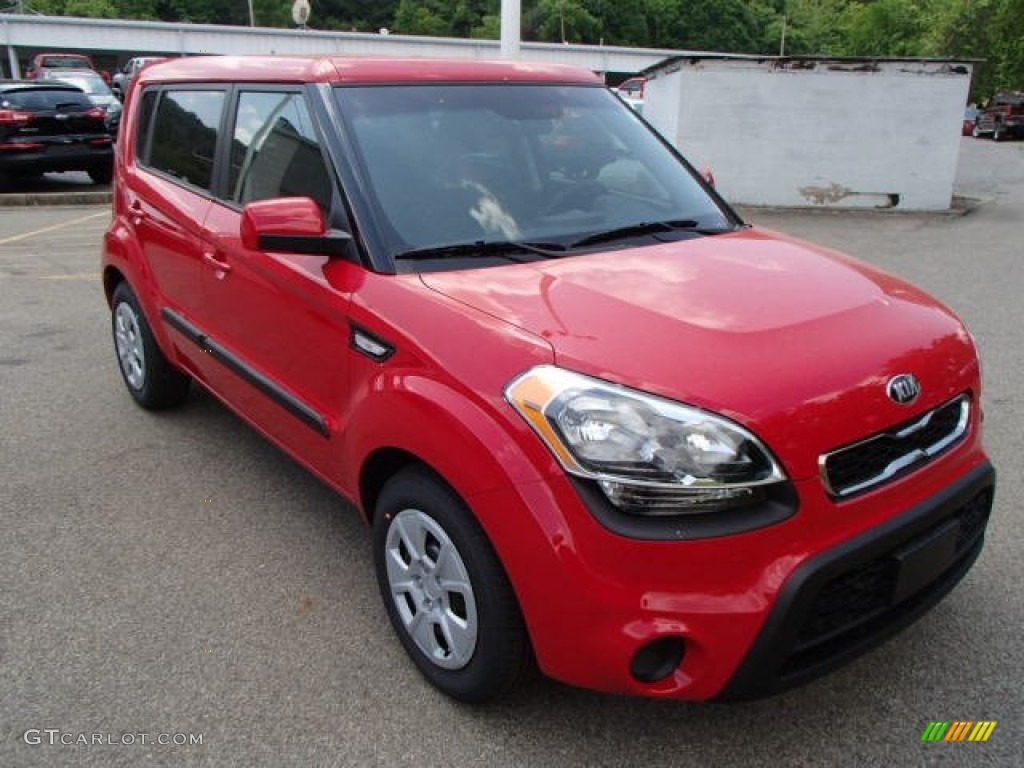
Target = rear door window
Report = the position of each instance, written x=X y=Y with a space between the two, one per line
x=185 y=135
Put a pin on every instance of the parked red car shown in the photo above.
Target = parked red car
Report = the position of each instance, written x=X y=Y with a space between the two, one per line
x=592 y=417
x=970 y=121
x=56 y=63
x=1003 y=119
x=632 y=92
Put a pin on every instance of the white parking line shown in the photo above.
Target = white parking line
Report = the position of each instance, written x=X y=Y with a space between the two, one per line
x=44 y=230
x=72 y=276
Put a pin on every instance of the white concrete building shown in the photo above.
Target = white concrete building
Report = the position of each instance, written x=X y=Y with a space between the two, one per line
x=816 y=132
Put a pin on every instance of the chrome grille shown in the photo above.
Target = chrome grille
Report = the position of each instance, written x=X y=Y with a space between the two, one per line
x=895 y=452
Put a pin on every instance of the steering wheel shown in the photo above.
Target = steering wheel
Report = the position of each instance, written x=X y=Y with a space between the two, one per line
x=580 y=196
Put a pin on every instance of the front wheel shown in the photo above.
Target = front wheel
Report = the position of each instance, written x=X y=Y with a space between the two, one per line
x=151 y=380
x=446 y=593
x=101 y=175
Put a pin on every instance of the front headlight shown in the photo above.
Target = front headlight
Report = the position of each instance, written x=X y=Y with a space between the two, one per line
x=649 y=455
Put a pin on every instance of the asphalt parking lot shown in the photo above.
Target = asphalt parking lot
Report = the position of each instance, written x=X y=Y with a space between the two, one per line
x=174 y=574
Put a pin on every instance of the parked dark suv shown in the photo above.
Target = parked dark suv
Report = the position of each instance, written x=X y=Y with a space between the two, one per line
x=52 y=126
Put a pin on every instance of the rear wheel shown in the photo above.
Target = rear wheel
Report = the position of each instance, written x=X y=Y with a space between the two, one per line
x=151 y=380
x=998 y=134
x=446 y=593
x=975 y=132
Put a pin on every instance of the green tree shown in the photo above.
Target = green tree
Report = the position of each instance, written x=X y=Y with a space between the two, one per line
x=489 y=28
x=769 y=19
x=566 y=21
x=992 y=30
x=812 y=27
x=884 y=28
x=965 y=28
x=353 y=15
x=620 y=22
x=99 y=9
x=414 y=18
x=703 y=25
x=1008 y=46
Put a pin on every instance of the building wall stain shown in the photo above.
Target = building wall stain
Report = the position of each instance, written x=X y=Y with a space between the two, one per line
x=826 y=195
x=834 y=193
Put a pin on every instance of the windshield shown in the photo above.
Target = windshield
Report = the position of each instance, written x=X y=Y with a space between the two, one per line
x=553 y=164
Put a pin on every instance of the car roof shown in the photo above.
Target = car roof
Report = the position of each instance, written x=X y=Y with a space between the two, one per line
x=337 y=69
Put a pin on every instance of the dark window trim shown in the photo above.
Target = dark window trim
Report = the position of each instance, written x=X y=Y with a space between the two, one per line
x=352 y=182
x=332 y=147
x=142 y=147
x=218 y=180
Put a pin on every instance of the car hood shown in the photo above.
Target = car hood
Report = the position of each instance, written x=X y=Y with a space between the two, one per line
x=794 y=341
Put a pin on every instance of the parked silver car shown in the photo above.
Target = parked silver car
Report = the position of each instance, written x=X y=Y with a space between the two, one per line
x=124 y=76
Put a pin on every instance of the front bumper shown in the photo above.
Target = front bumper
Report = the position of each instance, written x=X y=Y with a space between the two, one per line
x=849 y=599
x=756 y=612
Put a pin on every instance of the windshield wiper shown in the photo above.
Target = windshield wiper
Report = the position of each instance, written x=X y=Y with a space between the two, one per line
x=646 y=228
x=506 y=248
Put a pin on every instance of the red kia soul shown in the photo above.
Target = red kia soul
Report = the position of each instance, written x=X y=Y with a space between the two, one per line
x=592 y=417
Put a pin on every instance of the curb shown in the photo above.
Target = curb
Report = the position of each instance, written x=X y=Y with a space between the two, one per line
x=961 y=206
x=55 y=198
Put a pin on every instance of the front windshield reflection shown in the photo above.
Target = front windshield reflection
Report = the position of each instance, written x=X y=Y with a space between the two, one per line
x=453 y=164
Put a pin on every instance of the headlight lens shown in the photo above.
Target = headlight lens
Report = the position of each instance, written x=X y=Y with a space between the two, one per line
x=649 y=455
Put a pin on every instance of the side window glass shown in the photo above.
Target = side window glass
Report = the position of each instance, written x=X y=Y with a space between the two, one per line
x=145 y=115
x=275 y=151
x=185 y=135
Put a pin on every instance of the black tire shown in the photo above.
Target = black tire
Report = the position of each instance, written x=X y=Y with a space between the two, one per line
x=998 y=134
x=500 y=654
x=151 y=380
x=976 y=132
x=101 y=175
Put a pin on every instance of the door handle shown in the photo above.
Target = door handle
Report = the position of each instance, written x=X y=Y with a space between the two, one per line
x=221 y=267
x=136 y=212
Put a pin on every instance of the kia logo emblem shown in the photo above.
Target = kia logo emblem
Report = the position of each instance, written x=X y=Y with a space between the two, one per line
x=903 y=389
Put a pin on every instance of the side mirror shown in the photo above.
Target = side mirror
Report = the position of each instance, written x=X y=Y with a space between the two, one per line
x=291 y=225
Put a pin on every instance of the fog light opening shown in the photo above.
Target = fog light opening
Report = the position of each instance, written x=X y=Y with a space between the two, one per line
x=658 y=659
